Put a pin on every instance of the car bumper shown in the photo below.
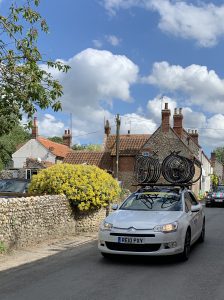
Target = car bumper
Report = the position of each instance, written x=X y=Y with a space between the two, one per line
x=214 y=201
x=159 y=244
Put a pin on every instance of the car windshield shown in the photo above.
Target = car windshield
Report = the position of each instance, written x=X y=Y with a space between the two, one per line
x=14 y=186
x=156 y=201
x=219 y=188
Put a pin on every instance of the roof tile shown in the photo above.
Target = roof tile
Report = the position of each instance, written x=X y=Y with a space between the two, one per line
x=130 y=144
x=100 y=159
x=56 y=148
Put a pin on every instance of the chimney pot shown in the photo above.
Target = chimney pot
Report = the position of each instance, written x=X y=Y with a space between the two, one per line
x=35 y=128
x=178 y=122
x=67 y=138
x=175 y=111
x=107 y=128
x=129 y=131
x=165 y=119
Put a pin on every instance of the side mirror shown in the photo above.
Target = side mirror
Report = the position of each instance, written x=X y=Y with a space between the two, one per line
x=114 y=206
x=195 y=208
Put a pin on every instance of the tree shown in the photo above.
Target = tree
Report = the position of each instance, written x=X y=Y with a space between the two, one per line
x=90 y=147
x=9 y=142
x=56 y=139
x=24 y=84
x=219 y=152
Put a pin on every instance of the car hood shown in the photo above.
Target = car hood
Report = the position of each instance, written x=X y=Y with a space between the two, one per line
x=142 y=219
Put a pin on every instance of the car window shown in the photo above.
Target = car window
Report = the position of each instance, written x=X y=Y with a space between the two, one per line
x=192 y=199
x=156 y=201
x=219 y=188
x=14 y=186
x=187 y=201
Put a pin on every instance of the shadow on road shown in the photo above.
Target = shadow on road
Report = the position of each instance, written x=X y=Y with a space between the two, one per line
x=147 y=260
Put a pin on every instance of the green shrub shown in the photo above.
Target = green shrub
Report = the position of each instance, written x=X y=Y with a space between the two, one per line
x=86 y=186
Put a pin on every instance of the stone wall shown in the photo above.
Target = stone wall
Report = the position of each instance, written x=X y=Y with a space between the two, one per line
x=30 y=220
x=10 y=174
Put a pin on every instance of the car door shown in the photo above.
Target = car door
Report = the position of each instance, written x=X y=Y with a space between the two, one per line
x=198 y=215
x=192 y=218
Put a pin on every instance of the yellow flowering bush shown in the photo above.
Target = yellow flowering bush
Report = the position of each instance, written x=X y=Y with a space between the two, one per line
x=86 y=186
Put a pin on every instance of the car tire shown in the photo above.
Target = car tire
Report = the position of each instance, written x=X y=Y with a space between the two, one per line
x=202 y=235
x=184 y=256
x=207 y=205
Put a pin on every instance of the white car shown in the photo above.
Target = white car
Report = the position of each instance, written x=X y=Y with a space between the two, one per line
x=153 y=221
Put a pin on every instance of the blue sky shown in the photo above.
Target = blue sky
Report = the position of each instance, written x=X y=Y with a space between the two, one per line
x=131 y=56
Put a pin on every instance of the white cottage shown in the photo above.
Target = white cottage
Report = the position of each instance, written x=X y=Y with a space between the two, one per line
x=41 y=149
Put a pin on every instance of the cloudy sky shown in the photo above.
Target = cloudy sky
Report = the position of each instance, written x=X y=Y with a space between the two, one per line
x=129 y=57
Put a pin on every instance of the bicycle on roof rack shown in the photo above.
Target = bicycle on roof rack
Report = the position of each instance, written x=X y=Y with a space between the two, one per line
x=175 y=169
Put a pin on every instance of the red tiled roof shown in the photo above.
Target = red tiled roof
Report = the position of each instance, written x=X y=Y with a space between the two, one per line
x=100 y=159
x=55 y=148
x=130 y=144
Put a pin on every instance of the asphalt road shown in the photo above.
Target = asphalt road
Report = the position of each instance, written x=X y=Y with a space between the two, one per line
x=81 y=273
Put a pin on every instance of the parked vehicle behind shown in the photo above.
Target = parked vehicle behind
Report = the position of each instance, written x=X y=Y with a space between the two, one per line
x=215 y=197
x=13 y=187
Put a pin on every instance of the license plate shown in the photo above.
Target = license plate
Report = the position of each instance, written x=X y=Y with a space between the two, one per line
x=130 y=240
x=218 y=200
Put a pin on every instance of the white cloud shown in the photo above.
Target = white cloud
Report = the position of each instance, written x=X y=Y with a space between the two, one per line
x=96 y=77
x=97 y=43
x=49 y=126
x=213 y=134
x=155 y=106
x=113 y=40
x=181 y=19
x=203 y=87
x=137 y=124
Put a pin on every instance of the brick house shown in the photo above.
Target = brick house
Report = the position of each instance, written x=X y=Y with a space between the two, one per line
x=164 y=140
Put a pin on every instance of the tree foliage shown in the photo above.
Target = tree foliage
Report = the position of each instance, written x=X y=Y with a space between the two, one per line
x=24 y=84
x=56 y=139
x=215 y=180
x=9 y=142
x=88 y=187
x=90 y=147
x=219 y=152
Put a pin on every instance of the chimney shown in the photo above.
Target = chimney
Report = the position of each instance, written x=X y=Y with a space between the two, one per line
x=129 y=131
x=35 y=129
x=165 y=119
x=194 y=136
x=67 y=138
x=178 y=122
x=107 y=128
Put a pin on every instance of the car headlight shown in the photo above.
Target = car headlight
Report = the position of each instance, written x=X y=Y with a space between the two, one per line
x=166 y=228
x=106 y=226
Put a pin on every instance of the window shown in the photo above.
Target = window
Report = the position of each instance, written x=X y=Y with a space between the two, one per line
x=187 y=201
x=145 y=153
x=193 y=200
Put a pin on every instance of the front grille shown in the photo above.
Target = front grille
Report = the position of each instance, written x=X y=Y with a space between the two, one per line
x=132 y=234
x=133 y=247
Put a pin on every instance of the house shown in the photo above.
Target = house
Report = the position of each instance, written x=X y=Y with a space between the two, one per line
x=41 y=151
x=217 y=166
x=163 y=141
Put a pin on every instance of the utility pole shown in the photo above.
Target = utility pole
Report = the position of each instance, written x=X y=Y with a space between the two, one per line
x=118 y=124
